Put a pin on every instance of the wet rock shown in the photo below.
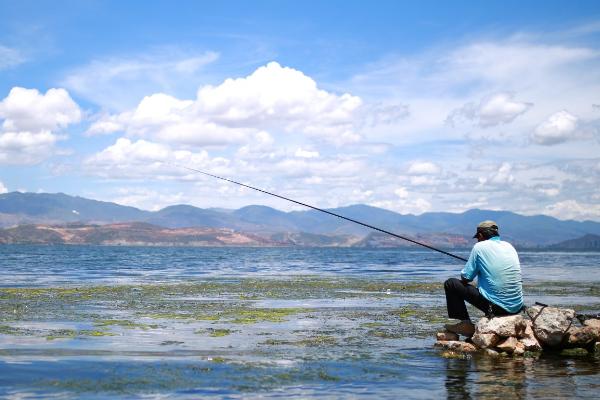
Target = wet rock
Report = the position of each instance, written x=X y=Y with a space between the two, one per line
x=550 y=324
x=485 y=340
x=508 y=345
x=594 y=323
x=519 y=349
x=446 y=336
x=529 y=340
x=491 y=353
x=576 y=352
x=456 y=345
x=513 y=325
x=582 y=337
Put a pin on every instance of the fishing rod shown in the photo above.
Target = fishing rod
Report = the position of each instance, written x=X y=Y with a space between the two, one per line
x=324 y=211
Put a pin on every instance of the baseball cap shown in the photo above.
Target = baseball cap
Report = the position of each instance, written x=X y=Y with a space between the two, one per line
x=486 y=225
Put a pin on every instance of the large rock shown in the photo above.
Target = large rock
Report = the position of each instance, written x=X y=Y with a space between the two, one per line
x=582 y=337
x=508 y=345
x=485 y=340
x=513 y=325
x=456 y=345
x=550 y=324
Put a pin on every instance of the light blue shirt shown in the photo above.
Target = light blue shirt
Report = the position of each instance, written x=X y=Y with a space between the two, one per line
x=496 y=266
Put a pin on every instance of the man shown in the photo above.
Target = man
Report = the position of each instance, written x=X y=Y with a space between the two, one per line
x=496 y=266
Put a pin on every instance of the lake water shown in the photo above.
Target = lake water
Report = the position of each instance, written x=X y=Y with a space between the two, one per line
x=145 y=322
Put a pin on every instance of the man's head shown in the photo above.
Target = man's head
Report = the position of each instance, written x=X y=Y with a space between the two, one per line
x=486 y=230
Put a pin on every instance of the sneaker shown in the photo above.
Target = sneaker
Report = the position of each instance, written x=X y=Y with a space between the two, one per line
x=465 y=328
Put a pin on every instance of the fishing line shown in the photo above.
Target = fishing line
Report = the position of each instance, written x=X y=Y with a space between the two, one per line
x=324 y=211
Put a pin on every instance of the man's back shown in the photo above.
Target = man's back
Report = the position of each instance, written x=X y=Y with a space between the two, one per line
x=496 y=265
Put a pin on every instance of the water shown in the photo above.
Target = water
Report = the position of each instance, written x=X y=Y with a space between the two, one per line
x=145 y=322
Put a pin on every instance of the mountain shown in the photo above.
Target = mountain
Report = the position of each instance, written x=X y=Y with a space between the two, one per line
x=129 y=234
x=586 y=243
x=449 y=229
x=19 y=208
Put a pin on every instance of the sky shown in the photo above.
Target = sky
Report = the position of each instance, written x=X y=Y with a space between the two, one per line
x=410 y=106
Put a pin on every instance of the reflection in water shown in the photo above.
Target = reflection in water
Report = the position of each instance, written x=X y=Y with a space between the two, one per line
x=549 y=376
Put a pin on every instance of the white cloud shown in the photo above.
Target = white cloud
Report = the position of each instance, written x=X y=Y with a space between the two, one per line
x=272 y=98
x=3 y=188
x=423 y=168
x=573 y=209
x=306 y=153
x=119 y=83
x=405 y=206
x=401 y=192
x=558 y=128
x=20 y=148
x=10 y=57
x=496 y=109
x=30 y=121
x=29 y=110
x=142 y=159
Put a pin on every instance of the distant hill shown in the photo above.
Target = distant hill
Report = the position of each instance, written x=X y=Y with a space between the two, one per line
x=129 y=234
x=584 y=243
x=448 y=229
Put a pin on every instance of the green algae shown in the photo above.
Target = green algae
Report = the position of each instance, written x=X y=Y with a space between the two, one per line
x=214 y=332
x=124 y=324
x=253 y=316
x=62 y=334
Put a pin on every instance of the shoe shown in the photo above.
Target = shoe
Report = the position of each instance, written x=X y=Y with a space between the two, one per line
x=465 y=328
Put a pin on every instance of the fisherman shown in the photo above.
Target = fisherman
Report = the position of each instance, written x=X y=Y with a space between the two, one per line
x=495 y=264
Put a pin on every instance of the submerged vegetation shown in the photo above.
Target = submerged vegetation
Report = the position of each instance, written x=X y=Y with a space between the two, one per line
x=258 y=330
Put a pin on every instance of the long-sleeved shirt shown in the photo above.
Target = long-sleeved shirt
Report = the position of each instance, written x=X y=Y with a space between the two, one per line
x=495 y=264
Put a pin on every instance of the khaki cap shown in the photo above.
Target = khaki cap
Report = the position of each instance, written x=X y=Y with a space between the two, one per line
x=486 y=225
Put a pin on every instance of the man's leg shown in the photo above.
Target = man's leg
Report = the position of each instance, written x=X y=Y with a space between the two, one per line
x=457 y=293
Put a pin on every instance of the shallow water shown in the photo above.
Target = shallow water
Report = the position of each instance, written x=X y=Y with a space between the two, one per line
x=137 y=322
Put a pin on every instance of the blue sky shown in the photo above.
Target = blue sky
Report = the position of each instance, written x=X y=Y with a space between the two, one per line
x=414 y=107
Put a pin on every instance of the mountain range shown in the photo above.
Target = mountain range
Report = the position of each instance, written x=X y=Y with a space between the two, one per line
x=447 y=229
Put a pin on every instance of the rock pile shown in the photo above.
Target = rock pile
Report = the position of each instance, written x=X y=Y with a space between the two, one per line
x=542 y=328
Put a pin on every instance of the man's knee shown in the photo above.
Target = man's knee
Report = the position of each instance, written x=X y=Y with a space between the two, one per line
x=451 y=283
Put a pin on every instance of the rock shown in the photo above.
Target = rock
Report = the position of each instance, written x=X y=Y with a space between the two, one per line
x=528 y=339
x=513 y=325
x=456 y=345
x=550 y=324
x=485 y=340
x=531 y=344
x=519 y=349
x=508 y=345
x=576 y=352
x=491 y=353
x=594 y=323
x=582 y=337
x=447 y=335
x=597 y=347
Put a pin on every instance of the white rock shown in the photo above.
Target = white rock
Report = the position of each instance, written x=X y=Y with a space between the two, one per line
x=508 y=345
x=512 y=325
x=594 y=323
x=550 y=324
x=485 y=340
x=456 y=345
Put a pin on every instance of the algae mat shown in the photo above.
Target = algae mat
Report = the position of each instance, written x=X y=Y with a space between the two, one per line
x=306 y=336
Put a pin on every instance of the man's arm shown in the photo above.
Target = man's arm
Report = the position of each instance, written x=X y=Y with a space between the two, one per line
x=469 y=272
